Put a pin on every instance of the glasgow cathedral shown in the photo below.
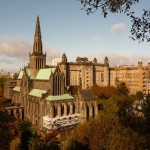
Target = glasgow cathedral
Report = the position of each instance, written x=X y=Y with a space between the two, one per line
x=41 y=90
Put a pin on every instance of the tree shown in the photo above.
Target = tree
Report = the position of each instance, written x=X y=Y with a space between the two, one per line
x=27 y=131
x=9 y=130
x=107 y=132
x=103 y=92
x=140 y=25
x=147 y=114
x=73 y=90
x=139 y=95
x=122 y=88
x=37 y=143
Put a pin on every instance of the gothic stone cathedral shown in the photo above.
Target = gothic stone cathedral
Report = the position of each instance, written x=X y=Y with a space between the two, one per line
x=40 y=89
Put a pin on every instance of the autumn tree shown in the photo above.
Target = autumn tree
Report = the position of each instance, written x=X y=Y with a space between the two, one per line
x=103 y=92
x=109 y=91
x=96 y=90
x=9 y=130
x=140 y=25
x=73 y=90
x=107 y=132
x=139 y=95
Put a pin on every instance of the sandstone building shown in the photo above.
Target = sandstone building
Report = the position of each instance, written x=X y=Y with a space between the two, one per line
x=85 y=73
x=136 y=78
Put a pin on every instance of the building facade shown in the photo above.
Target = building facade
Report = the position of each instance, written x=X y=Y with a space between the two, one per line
x=136 y=78
x=9 y=85
x=85 y=73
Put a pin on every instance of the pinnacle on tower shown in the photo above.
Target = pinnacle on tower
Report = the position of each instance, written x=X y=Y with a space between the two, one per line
x=37 y=47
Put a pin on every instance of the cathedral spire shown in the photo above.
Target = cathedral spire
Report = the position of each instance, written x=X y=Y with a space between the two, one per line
x=37 y=47
x=38 y=30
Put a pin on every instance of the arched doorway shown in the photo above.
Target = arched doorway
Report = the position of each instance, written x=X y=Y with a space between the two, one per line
x=55 y=110
x=73 y=111
x=93 y=110
x=87 y=111
x=68 y=109
x=62 y=109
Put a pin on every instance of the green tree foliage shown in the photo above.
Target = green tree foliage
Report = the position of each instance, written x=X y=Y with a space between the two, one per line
x=140 y=25
x=32 y=141
x=123 y=103
x=107 y=132
x=146 y=112
x=27 y=131
x=37 y=143
x=135 y=114
x=139 y=95
x=122 y=88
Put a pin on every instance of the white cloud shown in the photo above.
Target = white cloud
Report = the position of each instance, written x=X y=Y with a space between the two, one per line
x=97 y=38
x=13 y=47
x=118 y=28
x=14 y=53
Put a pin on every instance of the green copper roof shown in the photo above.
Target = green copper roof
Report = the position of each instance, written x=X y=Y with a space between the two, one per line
x=59 y=97
x=44 y=74
x=37 y=92
x=17 y=88
x=20 y=74
x=28 y=72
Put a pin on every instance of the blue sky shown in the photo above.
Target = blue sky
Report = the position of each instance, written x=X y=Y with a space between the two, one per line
x=67 y=28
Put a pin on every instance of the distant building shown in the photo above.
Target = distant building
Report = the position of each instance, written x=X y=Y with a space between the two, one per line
x=136 y=78
x=85 y=73
x=9 y=85
x=4 y=79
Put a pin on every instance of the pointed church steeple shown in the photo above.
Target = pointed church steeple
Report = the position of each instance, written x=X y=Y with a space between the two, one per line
x=38 y=29
x=37 y=58
x=37 y=47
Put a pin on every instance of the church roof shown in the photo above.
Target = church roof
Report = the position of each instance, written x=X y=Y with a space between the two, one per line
x=28 y=73
x=37 y=92
x=44 y=74
x=16 y=88
x=59 y=97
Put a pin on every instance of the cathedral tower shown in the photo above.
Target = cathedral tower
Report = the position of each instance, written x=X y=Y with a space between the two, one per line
x=37 y=58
